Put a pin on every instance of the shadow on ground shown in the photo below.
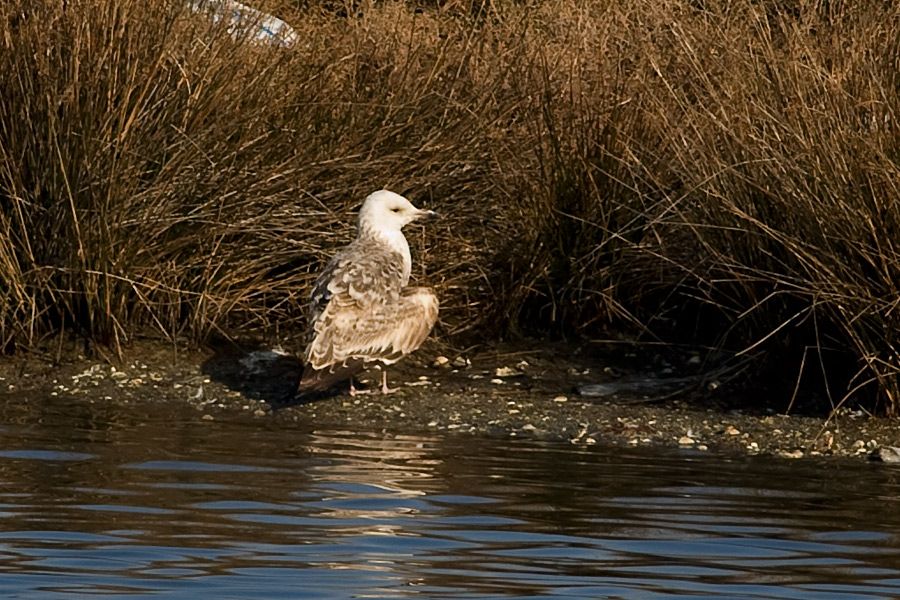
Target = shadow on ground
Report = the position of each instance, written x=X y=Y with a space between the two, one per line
x=257 y=372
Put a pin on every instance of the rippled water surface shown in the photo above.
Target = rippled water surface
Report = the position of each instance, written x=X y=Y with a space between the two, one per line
x=131 y=501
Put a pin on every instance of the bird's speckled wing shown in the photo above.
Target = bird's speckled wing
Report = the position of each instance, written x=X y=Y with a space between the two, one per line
x=354 y=303
x=382 y=332
x=365 y=272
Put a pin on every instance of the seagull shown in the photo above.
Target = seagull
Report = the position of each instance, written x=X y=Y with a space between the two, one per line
x=361 y=309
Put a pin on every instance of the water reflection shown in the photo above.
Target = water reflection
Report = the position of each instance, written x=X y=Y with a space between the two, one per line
x=105 y=500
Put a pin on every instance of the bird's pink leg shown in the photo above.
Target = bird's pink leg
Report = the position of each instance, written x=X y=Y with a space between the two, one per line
x=384 y=387
x=356 y=392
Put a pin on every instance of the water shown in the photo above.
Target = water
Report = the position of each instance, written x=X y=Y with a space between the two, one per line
x=117 y=502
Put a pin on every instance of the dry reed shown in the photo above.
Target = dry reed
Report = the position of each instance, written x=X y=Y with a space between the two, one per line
x=703 y=173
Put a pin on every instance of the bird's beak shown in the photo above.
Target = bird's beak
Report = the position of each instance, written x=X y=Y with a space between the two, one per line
x=426 y=215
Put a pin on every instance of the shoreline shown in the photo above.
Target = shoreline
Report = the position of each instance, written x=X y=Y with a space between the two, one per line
x=513 y=391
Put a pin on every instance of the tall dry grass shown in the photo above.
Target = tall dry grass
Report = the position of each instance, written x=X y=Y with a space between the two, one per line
x=787 y=148
x=715 y=173
x=157 y=172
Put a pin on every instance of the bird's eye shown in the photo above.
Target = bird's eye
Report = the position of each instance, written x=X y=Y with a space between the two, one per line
x=395 y=210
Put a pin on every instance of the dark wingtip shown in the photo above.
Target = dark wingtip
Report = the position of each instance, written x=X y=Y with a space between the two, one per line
x=316 y=382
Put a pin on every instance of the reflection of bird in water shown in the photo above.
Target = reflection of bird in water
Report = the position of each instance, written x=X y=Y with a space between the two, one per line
x=361 y=309
x=386 y=477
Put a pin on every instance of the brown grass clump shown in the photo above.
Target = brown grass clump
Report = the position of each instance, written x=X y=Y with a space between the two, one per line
x=157 y=172
x=786 y=145
x=724 y=175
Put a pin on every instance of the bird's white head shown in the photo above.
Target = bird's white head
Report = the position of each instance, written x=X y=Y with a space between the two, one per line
x=385 y=212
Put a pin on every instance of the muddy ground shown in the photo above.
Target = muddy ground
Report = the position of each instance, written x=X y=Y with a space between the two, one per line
x=521 y=390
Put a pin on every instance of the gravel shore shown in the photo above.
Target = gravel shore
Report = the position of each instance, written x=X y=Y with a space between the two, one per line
x=510 y=391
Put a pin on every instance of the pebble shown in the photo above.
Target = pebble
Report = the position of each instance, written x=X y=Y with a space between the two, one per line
x=208 y=417
x=505 y=372
x=599 y=389
x=791 y=453
x=497 y=381
x=560 y=399
x=441 y=362
x=886 y=454
x=90 y=372
x=685 y=441
x=732 y=430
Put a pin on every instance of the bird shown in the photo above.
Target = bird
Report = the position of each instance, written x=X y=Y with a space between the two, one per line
x=362 y=309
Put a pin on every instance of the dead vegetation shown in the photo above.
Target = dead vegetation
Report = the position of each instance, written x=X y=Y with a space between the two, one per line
x=723 y=174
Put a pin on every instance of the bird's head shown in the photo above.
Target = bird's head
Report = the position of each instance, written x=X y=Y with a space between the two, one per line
x=385 y=211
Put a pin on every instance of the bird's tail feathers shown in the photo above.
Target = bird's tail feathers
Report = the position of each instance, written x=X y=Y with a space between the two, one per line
x=322 y=380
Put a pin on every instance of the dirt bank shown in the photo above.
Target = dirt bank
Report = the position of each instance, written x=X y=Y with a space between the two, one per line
x=511 y=391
